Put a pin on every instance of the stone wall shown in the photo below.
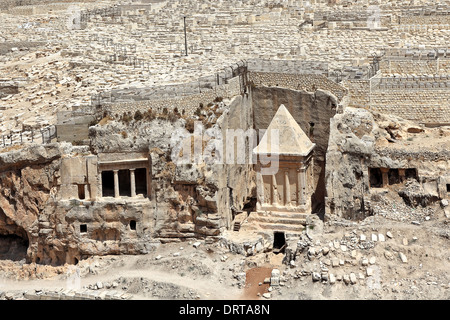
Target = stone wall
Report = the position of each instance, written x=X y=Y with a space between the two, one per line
x=358 y=93
x=186 y=104
x=434 y=20
x=288 y=66
x=29 y=7
x=297 y=81
x=424 y=106
x=418 y=61
x=425 y=99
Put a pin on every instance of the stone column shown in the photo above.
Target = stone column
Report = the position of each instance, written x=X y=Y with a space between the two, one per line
x=401 y=174
x=116 y=184
x=384 y=173
x=299 y=188
x=133 y=183
x=287 y=191
x=274 y=190
x=259 y=189
x=301 y=176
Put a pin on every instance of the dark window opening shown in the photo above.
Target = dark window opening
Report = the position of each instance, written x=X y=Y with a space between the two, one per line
x=141 y=181
x=81 y=193
x=107 y=184
x=411 y=173
x=279 y=242
x=393 y=176
x=83 y=228
x=133 y=225
x=311 y=129
x=124 y=183
x=448 y=187
x=375 y=178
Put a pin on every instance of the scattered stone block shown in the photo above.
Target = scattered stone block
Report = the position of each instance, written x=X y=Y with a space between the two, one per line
x=388 y=255
x=346 y=279
x=353 y=278
x=316 y=276
x=332 y=278
x=403 y=257
x=275 y=277
x=335 y=262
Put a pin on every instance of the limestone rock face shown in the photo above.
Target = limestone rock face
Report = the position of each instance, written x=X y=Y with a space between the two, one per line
x=52 y=199
x=361 y=141
x=28 y=181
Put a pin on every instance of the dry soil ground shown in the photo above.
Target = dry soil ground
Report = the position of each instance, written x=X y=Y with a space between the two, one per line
x=339 y=248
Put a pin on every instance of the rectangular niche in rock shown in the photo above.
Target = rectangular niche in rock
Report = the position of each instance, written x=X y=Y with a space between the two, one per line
x=107 y=184
x=375 y=178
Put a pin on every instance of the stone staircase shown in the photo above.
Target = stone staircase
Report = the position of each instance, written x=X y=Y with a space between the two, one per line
x=270 y=221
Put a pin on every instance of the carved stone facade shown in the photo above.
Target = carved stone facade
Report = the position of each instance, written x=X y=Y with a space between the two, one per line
x=285 y=177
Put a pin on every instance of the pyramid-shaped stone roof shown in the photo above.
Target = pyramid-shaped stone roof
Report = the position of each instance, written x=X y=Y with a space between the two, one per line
x=292 y=141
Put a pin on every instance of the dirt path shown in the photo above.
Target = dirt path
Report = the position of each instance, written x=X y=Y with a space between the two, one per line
x=207 y=288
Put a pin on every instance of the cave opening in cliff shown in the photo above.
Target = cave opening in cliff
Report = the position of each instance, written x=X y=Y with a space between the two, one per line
x=448 y=187
x=124 y=183
x=141 y=181
x=133 y=225
x=13 y=247
x=13 y=239
x=375 y=178
x=107 y=184
x=279 y=242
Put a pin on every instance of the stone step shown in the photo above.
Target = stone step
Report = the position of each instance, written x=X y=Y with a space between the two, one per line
x=276 y=220
x=282 y=227
x=283 y=214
